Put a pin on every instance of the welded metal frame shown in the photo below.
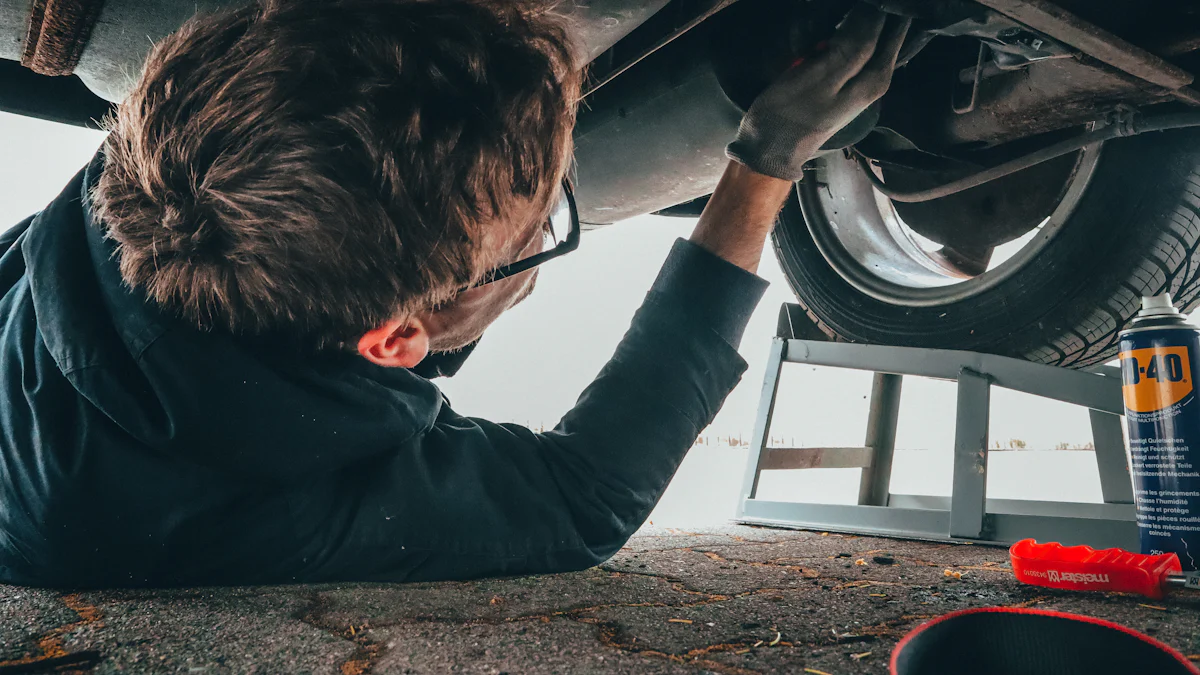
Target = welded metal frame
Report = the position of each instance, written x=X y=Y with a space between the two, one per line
x=967 y=515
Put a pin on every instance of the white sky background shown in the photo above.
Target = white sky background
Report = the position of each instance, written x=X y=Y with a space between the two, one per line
x=535 y=360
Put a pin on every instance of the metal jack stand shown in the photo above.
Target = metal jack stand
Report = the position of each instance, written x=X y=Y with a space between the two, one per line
x=967 y=514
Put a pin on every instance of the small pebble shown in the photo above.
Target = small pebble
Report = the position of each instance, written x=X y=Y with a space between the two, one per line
x=884 y=560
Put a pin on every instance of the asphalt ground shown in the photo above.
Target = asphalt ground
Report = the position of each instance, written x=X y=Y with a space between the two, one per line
x=734 y=600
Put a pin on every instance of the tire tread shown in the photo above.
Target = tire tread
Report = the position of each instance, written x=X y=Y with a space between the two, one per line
x=1163 y=257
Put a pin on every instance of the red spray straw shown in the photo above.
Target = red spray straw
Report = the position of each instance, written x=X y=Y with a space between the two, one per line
x=1083 y=568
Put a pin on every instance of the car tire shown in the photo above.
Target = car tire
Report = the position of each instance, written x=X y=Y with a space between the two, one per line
x=1134 y=231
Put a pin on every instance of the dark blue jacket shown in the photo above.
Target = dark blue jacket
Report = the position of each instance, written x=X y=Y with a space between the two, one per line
x=135 y=450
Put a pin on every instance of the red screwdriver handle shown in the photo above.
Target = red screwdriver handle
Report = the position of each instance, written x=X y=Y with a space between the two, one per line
x=1083 y=568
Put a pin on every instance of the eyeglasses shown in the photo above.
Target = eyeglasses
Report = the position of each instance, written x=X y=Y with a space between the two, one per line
x=561 y=230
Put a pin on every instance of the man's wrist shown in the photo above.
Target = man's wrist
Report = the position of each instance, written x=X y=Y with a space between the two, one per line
x=740 y=214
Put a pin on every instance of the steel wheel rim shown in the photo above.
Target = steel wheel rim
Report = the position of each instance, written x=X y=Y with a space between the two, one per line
x=874 y=252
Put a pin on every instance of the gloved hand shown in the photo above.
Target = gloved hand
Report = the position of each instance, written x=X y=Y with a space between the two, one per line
x=802 y=109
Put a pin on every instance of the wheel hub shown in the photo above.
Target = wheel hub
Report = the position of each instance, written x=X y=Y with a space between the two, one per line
x=987 y=216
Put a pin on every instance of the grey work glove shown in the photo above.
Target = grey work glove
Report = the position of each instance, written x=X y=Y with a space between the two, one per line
x=806 y=105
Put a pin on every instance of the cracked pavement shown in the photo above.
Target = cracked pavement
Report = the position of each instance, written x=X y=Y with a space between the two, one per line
x=732 y=600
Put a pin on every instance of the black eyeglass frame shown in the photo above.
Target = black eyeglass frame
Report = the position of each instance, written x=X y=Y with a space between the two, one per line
x=570 y=243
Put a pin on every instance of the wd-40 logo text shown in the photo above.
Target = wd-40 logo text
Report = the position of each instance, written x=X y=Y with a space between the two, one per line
x=1155 y=377
x=1055 y=575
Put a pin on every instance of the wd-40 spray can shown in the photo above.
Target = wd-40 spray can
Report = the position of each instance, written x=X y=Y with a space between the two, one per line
x=1159 y=368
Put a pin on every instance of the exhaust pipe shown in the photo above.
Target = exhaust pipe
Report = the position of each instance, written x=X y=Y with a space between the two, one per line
x=651 y=139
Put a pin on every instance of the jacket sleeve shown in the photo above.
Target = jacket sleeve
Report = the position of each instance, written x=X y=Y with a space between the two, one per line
x=473 y=498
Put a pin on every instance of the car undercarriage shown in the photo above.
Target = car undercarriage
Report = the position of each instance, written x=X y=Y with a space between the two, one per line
x=1031 y=172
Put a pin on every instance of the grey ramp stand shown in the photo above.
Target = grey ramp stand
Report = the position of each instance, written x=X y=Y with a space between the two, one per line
x=967 y=514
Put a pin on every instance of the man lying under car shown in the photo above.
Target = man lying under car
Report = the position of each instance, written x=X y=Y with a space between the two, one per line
x=217 y=342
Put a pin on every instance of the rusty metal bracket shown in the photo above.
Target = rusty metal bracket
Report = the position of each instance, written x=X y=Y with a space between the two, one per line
x=1058 y=23
x=57 y=33
x=970 y=104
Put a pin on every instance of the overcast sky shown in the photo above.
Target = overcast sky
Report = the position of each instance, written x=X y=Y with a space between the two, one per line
x=536 y=360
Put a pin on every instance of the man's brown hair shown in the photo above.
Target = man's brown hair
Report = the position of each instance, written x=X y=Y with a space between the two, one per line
x=312 y=169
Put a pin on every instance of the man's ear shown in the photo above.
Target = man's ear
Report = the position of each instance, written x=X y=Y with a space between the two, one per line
x=398 y=343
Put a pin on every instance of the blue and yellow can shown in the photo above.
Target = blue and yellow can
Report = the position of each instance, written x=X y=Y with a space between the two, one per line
x=1158 y=356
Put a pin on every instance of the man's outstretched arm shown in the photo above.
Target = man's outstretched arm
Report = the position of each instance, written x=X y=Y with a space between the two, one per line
x=472 y=498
